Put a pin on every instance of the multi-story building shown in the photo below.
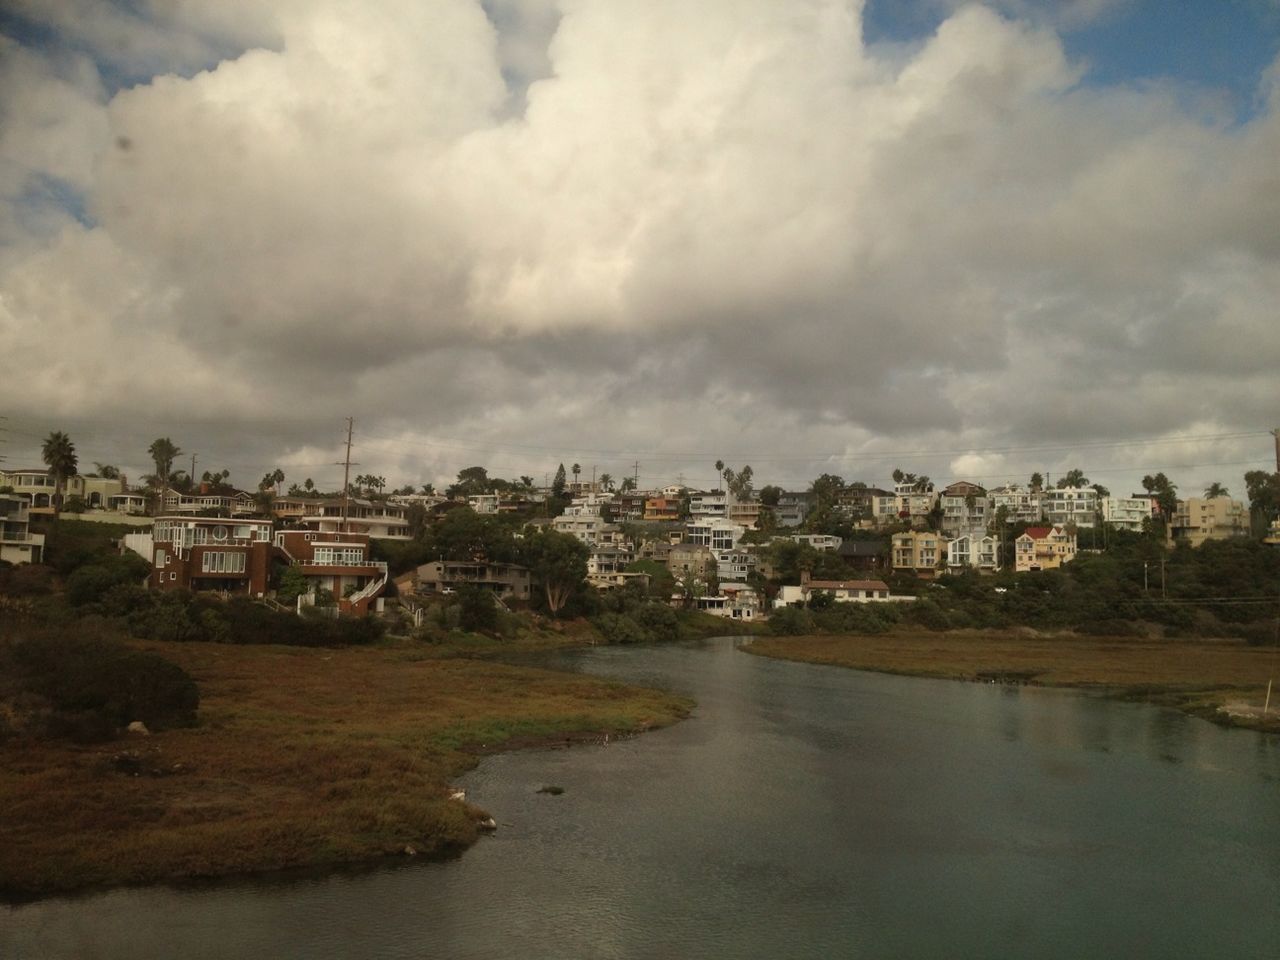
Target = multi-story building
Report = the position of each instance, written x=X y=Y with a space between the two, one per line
x=1078 y=505
x=716 y=534
x=337 y=562
x=379 y=519
x=1198 y=519
x=1019 y=504
x=981 y=553
x=658 y=509
x=705 y=506
x=921 y=552
x=792 y=508
x=1127 y=513
x=690 y=559
x=38 y=485
x=915 y=501
x=841 y=591
x=507 y=580
x=822 y=542
x=208 y=553
x=966 y=509
x=17 y=543
x=236 y=504
x=1043 y=548
x=735 y=565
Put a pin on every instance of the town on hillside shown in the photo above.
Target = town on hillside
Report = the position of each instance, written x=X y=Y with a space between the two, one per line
x=735 y=551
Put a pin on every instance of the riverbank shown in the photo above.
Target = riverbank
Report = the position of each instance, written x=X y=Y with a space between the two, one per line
x=1223 y=681
x=302 y=758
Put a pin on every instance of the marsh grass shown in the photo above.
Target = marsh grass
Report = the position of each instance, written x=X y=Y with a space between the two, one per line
x=1198 y=676
x=301 y=758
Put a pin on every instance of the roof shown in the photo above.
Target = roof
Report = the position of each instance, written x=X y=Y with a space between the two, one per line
x=848 y=585
x=1037 y=533
x=861 y=548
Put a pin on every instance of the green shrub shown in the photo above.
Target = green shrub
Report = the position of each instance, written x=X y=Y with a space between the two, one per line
x=791 y=622
x=658 y=620
x=619 y=628
x=477 y=611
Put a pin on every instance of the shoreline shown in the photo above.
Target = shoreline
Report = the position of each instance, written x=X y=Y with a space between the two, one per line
x=1215 y=680
x=306 y=762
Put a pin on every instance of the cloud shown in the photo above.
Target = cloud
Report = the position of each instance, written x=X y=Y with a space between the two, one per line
x=654 y=229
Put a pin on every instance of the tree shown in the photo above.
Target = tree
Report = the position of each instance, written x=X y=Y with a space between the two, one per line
x=740 y=482
x=628 y=484
x=1164 y=492
x=163 y=452
x=1073 y=478
x=471 y=481
x=558 y=561
x=557 y=485
x=1215 y=490
x=577 y=469
x=719 y=473
x=770 y=495
x=606 y=482
x=59 y=455
x=309 y=485
x=1263 y=489
x=106 y=471
x=1037 y=482
x=1103 y=492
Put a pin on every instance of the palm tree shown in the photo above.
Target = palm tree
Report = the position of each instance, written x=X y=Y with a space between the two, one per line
x=628 y=484
x=163 y=452
x=59 y=455
x=308 y=484
x=577 y=469
x=606 y=481
x=1215 y=490
x=106 y=471
x=719 y=473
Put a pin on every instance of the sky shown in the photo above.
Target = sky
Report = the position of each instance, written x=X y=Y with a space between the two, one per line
x=972 y=240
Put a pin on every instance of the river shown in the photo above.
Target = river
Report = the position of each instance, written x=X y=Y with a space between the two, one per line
x=803 y=811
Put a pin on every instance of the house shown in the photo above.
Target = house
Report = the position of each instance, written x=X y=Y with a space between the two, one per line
x=981 y=553
x=1063 y=505
x=735 y=601
x=1043 y=548
x=918 y=551
x=735 y=564
x=590 y=528
x=841 y=591
x=379 y=519
x=792 y=508
x=690 y=559
x=609 y=558
x=1198 y=519
x=664 y=508
x=17 y=543
x=236 y=504
x=716 y=534
x=1128 y=513
x=822 y=542
x=704 y=506
x=1019 y=504
x=915 y=500
x=133 y=504
x=38 y=485
x=965 y=508
x=337 y=562
x=863 y=554
x=208 y=553
x=507 y=580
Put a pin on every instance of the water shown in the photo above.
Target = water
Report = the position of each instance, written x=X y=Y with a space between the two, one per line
x=803 y=812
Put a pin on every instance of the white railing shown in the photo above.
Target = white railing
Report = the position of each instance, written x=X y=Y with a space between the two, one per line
x=370 y=590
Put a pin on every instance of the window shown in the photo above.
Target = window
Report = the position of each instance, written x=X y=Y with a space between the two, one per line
x=172 y=576
x=160 y=559
x=215 y=561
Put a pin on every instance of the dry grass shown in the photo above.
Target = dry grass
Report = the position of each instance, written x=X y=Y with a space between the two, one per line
x=1195 y=675
x=302 y=758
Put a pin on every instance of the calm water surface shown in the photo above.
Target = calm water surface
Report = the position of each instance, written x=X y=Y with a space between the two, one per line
x=803 y=812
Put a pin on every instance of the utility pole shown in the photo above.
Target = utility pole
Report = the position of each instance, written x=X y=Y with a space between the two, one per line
x=1276 y=433
x=346 y=474
x=636 y=475
x=192 y=474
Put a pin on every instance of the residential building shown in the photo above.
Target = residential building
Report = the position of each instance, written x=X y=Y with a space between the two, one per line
x=841 y=591
x=507 y=580
x=38 y=485
x=208 y=553
x=1078 y=505
x=745 y=513
x=17 y=543
x=1020 y=505
x=966 y=508
x=1043 y=548
x=691 y=559
x=379 y=519
x=792 y=508
x=716 y=534
x=921 y=552
x=1127 y=513
x=981 y=553
x=735 y=601
x=915 y=501
x=609 y=558
x=662 y=508
x=734 y=565
x=1198 y=519
x=704 y=506
x=822 y=542
x=865 y=555
x=236 y=504
x=337 y=562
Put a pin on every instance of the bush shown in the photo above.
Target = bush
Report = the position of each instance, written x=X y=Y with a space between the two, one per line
x=791 y=622
x=477 y=611
x=619 y=628
x=928 y=614
x=94 y=685
x=88 y=584
x=658 y=620
x=856 y=618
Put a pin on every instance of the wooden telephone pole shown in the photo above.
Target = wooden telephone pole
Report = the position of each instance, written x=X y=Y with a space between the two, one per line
x=346 y=474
